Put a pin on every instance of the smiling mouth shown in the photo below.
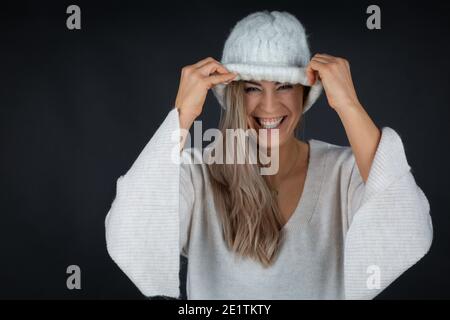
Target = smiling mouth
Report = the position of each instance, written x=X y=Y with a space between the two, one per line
x=269 y=123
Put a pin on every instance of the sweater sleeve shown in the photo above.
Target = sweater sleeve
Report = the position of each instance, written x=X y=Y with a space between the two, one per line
x=147 y=221
x=390 y=225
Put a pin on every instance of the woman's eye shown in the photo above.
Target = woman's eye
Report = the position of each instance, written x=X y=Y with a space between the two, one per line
x=286 y=86
x=248 y=89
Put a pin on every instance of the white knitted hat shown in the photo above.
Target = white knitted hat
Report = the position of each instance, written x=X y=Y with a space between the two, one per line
x=268 y=46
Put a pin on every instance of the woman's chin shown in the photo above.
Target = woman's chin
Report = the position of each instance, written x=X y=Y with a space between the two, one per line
x=271 y=139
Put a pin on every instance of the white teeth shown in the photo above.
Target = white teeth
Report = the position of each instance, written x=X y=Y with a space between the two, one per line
x=270 y=123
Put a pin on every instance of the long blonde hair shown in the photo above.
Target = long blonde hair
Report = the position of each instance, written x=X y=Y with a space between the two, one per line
x=251 y=218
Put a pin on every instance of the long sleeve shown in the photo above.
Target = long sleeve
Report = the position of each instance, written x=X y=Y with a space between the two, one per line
x=390 y=225
x=143 y=224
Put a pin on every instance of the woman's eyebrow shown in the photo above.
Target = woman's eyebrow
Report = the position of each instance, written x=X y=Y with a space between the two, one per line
x=252 y=82
x=255 y=83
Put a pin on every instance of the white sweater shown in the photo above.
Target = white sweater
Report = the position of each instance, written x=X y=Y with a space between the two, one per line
x=345 y=240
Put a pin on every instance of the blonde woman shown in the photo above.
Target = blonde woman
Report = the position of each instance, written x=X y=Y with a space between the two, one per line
x=333 y=222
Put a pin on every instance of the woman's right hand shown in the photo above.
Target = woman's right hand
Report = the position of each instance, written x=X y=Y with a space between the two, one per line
x=195 y=82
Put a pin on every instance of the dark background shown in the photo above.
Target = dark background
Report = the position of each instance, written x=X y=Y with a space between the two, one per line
x=77 y=107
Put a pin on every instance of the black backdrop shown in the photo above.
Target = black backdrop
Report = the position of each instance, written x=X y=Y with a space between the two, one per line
x=77 y=107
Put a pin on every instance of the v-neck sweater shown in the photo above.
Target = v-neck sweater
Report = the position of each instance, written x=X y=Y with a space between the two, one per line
x=346 y=239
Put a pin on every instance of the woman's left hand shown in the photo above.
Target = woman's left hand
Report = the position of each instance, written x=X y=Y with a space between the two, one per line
x=362 y=133
x=334 y=72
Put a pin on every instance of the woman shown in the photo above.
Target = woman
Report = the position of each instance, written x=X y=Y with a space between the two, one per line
x=332 y=222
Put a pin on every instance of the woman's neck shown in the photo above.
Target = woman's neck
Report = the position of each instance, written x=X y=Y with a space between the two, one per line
x=291 y=154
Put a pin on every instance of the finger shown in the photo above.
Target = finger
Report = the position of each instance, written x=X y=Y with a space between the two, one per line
x=316 y=67
x=203 y=62
x=220 y=78
x=325 y=56
x=212 y=67
x=321 y=59
x=200 y=63
x=310 y=74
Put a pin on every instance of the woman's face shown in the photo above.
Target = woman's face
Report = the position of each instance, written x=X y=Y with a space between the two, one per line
x=273 y=105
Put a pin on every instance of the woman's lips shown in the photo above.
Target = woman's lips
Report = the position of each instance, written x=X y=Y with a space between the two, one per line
x=269 y=123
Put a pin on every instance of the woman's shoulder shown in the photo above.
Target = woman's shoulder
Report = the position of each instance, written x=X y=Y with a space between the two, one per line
x=336 y=153
x=338 y=160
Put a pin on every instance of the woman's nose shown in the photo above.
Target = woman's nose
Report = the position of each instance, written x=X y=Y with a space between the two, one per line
x=268 y=102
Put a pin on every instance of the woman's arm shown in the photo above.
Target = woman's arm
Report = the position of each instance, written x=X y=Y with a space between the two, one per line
x=363 y=135
x=146 y=226
x=389 y=227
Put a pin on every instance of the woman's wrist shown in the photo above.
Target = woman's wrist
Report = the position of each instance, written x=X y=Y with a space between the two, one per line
x=186 y=118
x=350 y=107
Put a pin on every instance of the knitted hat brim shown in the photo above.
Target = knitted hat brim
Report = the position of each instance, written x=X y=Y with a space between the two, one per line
x=283 y=74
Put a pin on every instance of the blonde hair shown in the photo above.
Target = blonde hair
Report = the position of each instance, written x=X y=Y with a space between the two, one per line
x=251 y=219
